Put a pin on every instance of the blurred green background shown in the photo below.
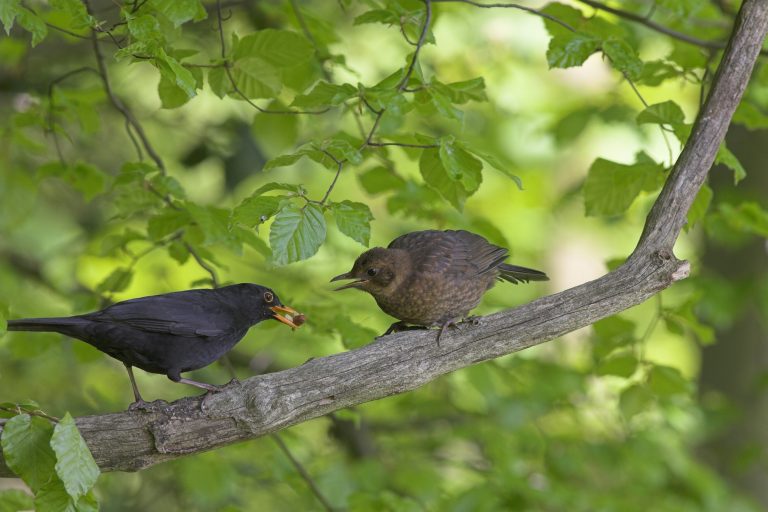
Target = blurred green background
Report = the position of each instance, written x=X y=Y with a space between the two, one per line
x=565 y=426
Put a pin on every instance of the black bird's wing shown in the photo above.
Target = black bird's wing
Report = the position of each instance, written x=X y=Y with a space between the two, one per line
x=191 y=313
x=451 y=252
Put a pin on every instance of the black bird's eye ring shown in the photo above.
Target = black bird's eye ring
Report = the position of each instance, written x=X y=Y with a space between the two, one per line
x=372 y=271
x=268 y=297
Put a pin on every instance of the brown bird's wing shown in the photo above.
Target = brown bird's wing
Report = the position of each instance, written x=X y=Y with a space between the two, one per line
x=451 y=252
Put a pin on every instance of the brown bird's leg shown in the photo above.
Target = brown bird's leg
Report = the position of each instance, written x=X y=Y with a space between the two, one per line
x=450 y=323
x=139 y=403
x=402 y=326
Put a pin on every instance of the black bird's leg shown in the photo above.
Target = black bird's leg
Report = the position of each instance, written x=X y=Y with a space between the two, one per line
x=175 y=376
x=139 y=403
x=202 y=385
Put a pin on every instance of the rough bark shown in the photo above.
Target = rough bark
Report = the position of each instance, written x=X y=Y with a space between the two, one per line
x=132 y=440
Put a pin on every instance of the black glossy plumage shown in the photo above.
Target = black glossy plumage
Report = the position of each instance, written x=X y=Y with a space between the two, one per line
x=433 y=278
x=170 y=333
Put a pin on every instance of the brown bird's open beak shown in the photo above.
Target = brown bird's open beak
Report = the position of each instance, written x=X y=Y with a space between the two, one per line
x=353 y=284
x=294 y=319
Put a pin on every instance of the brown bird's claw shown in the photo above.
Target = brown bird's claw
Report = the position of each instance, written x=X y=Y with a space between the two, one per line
x=292 y=318
x=472 y=320
x=402 y=326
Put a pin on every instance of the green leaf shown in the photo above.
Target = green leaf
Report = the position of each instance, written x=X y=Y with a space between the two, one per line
x=30 y=22
x=180 y=11
x=76 y=11
x=172 y=70
x=436 y=176
x=727 y=158
x=380 y=179
x=27 y=450
x=634 y=400
x=699 y=207
x=667 y=381
x=571 y=49
x=296 y=189
x=621 y=365
x=278 y=48
x=14 y=500
x=747 y=217
x=74 y=463
x=167 y=222
x=215 y=225
x=117 y=281
x=325 y=95
x=354 y=220
x=385 y=16
x=462 y=92
x=353 y=335
x=611 y=333
x=623 y=57
x=257 y=209
x=497 y=163
x=3 y=317
x=179 y=252
x=85 y=178
x=296 y=233
x=610 y=187
x=8 y=11
x=54 y=498
x=460 y=165
x=263 y=61
x=667 y=112
x=147 y=29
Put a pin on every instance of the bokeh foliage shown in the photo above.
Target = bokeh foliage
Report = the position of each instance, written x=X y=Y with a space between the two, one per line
x=272 y=142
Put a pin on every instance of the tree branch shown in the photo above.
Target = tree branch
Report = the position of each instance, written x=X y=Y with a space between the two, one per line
x=132 y=440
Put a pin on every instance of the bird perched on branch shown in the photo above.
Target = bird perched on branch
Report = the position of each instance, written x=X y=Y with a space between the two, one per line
x=433 y=278
x=174 y=332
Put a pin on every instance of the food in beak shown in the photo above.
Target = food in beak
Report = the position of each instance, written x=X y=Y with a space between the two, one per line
x=292 y=318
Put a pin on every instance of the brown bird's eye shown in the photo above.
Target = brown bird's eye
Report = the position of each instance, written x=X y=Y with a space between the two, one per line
x=268 y=297
x=372 y=271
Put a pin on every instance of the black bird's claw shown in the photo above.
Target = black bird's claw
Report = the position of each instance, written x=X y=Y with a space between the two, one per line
x=141 y=405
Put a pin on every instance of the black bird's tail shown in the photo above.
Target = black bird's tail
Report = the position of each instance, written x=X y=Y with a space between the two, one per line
x=515 y=274
x=63 y=325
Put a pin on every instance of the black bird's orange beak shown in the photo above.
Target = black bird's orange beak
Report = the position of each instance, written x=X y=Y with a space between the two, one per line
x=294 y=319
x=354 y=284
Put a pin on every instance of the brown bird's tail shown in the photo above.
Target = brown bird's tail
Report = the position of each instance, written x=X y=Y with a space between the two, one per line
x=63 y=325
x=515 y=274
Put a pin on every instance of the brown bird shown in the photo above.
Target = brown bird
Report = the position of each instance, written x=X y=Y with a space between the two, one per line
x=433 y=278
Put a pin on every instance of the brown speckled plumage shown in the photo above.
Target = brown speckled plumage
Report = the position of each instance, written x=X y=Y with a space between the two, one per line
x=433 y=278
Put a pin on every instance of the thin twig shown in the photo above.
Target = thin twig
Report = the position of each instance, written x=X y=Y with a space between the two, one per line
x=512 y=6
x=303 y=472
x=233 y=83
x=340 y=165
x=403 y=145
x=32 y=412
x=637 y=18
x=117 y=102
x=419 y=44
x=52 y=106
x=204 y=264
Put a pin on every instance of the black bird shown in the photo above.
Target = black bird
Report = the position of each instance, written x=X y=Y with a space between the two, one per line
x=171 y=333
x=433 y=278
